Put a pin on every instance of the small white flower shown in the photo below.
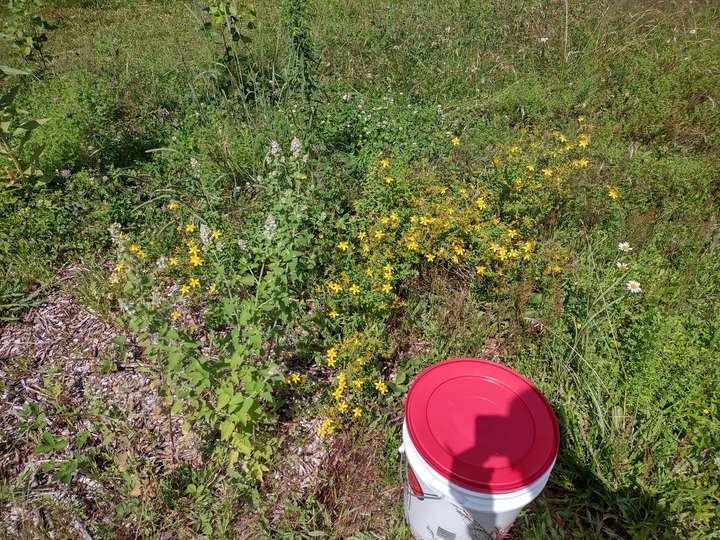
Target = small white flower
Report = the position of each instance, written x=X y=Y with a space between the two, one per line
x=323 y=215
x=543 y=40
x=633 y=286
x=275 y=149
x=161 y=262
x=194 y=163
x=295 y=147
x=114 y=231
x=623 y=267
x=625 y=247
x=242 y=244
x=269 y=227
x=204 y=234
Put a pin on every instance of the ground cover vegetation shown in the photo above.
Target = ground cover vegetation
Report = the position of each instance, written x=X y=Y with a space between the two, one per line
x=231 y=234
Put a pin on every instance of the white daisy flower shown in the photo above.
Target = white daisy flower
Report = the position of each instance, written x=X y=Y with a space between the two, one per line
x=633 y=286
x=623 y=267
x=625 y=247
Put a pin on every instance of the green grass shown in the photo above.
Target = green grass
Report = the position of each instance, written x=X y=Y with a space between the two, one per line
x=634 y=379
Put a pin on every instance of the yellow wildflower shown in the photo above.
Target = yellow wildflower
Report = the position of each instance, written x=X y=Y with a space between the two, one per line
x=212 y=288
x=342 y=407
x=343 y=246
x=385 y=163
x=430 y=257
x=190 y=227
x=531 y=168
x=195 y=260
x=366 y=247
x=388 y=179
x=362 y=235
x=327 y=427
x=547 y=172
x=119 y=267
x=381 y=387
x=579 y=163
x=334 y=286
x=455 y=141
x=354 y=289
x=512 y=233
x=613 y=192
x=387 y=288
x=134 y=248
x=172 y=205
x=379 y=235
x=175 y=315
x=216 y=234
x=357 y=412
x=480 y=203
x=173 y=261
x=480 y=270
x=184 y=289
x=194 y=282
x=331 y=356
x=142 y=255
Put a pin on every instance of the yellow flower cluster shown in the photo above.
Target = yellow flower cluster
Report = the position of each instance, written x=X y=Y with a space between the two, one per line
x=185 y=260
x=355 y=381
x=480 y=230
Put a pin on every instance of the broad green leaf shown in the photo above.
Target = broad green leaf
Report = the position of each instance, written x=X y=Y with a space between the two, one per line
x=226 y=429
x=7 y=70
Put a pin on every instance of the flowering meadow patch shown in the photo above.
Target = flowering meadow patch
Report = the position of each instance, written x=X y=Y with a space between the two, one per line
x=411 y=220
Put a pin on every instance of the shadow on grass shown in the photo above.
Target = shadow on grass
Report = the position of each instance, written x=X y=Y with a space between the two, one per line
x=575 y=504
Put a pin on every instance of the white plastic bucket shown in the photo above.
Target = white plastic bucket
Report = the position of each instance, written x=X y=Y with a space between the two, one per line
x=451 y=512
x=479 y=444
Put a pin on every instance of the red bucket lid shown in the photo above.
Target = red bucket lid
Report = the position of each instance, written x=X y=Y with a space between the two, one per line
x=481 y=425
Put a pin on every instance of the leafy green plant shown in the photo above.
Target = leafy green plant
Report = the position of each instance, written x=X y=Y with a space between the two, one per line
x=222 y=386
x=228 y=25
x=304 y=59
x=20 y=169
x=26 y=31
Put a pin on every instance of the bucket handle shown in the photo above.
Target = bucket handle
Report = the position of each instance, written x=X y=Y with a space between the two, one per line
x=403 y=476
